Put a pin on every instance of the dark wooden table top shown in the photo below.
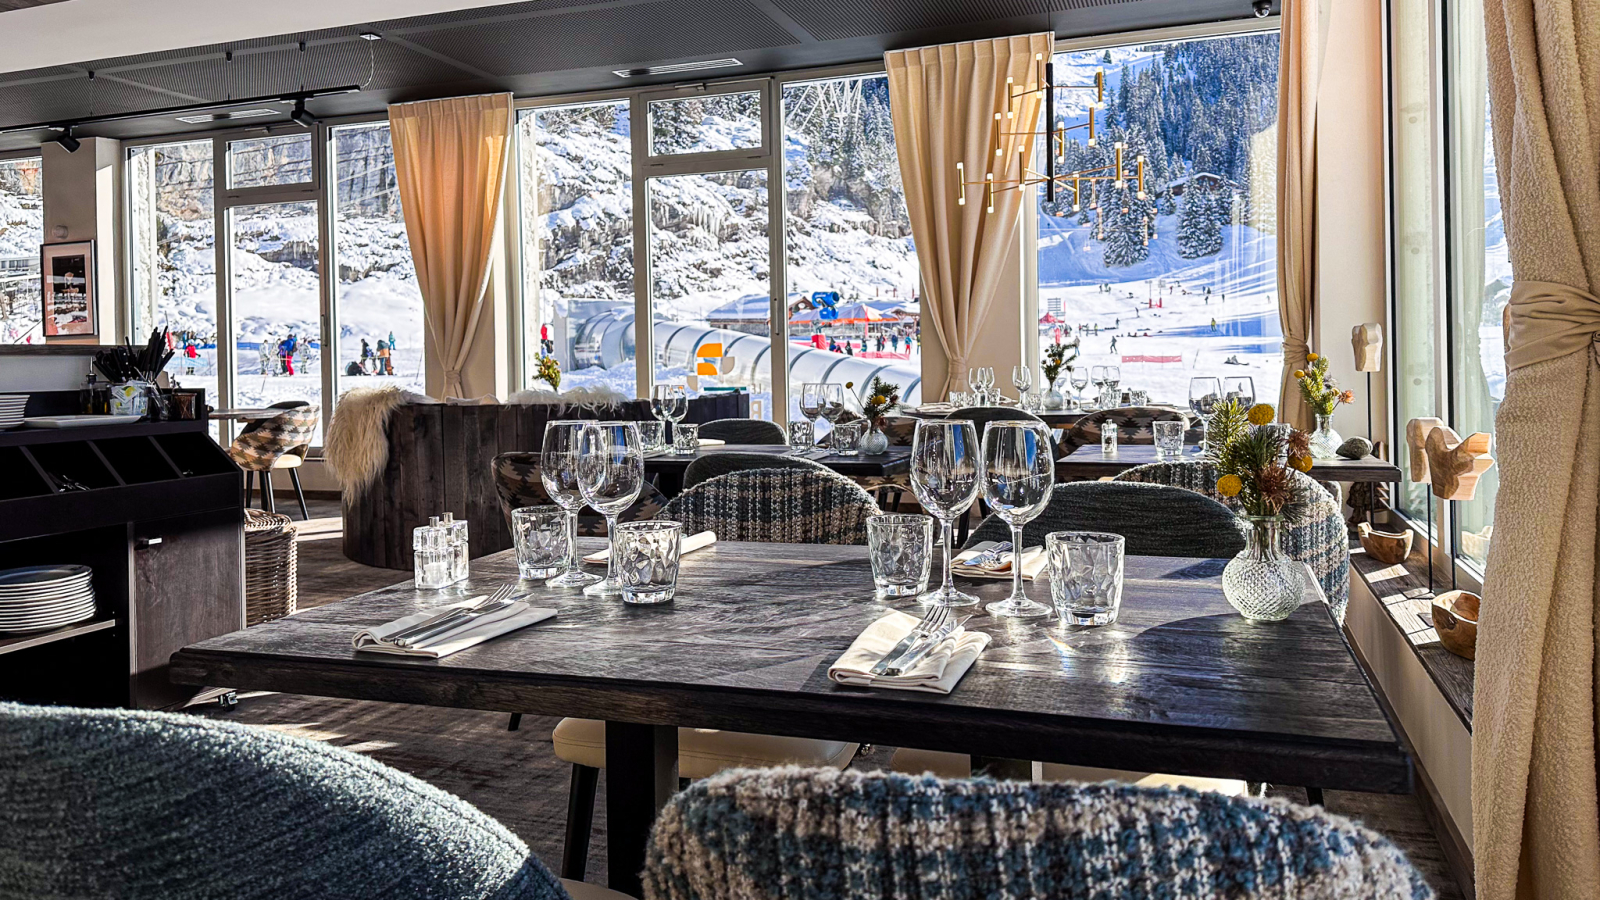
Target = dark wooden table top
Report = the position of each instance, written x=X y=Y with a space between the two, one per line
x=1055 y=418
x=893 y=461
x=1089 y=462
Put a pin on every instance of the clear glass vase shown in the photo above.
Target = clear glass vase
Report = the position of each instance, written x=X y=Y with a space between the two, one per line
x=1053 y=399
x=876 y=443
x=1325 y=441
x=1262 y=582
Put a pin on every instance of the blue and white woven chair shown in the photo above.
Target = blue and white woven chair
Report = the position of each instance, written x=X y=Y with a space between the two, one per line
x=776 y=506
x=110 y=803
x=823 y=835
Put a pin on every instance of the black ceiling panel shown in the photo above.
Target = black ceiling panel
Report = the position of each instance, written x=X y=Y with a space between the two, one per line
x=831 y=21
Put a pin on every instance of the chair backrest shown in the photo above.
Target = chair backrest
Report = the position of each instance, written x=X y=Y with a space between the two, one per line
x=815 y=834
x=290 y=431
x=517 y=484
x=1154 y=519
x=111 y=803
x=981 y=416
x=1322 y=541
x=713 y=464
x=744 y=431
x=781 y=506
x=1133 y=426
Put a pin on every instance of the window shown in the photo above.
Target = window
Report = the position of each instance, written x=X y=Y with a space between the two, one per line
x=21 y=232
x=705 y=124
x=379 y=325
x=271 y=160
x=575 y=179
x=1182 y=282
x=275 y=293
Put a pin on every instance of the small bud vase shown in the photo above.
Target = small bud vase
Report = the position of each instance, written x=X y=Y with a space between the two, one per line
x=876 y=443
x=1262 y=582
x=1325 y=441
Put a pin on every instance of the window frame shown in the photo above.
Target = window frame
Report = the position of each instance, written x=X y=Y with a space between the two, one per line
x=44 y=235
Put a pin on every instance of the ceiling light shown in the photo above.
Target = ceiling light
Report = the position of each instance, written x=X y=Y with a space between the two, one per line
x=202 y=118
x=678 y=67
x=300 y=117
x=1263 y=8
x=67 y=141
x=370 y=36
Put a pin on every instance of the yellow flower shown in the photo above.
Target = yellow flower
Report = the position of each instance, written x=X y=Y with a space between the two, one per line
x=1311 y=357
x=1303 y=463
x=1299 y=373
x=879 y=399
x=1229 y=485
x=1261 y=414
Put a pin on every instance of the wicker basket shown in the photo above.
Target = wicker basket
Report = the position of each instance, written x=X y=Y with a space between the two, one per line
x=270 y=567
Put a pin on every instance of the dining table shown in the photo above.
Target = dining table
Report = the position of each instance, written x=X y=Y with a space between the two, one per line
x=1090 y=461
x=668 y=467
x=1180 y=683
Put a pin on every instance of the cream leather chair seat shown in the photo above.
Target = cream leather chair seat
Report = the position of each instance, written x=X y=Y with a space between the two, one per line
x=959 y=765
x=583 y=890
x=703 y=752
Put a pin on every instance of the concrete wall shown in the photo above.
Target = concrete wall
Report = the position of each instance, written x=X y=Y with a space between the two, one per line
x=83 y=202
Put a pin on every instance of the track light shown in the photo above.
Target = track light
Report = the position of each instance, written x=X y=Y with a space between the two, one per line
x=67 y=141
x=1263 y=8
x=302 y=118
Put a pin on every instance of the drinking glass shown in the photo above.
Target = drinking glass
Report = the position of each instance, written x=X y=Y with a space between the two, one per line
x=801 y=436
x=1138 y=398
x=1108 y=439
x=833 y=409
x=986 y=378
x=1085 y=576
x=647 y=555
x=1204 y=391
x=847 y=437
x=685 y=440
x=1168 y=438
x=1241 y=388
x=811 y=402
x=1021 y=379
x=1019 y=470
x=901 y=549
x=666 y=400
x=651 y=435
x=611 y=475
x=946 y=475
x=1113 y=376
x=540 y=533
x=558 y=471
x=1097 y=377
x=1080 y=380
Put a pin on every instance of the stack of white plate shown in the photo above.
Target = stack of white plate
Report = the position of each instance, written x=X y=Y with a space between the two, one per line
x=11 y=406
x=39 y=598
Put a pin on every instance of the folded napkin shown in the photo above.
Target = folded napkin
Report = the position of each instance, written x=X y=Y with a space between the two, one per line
x=467 y=634
x=1034 y=562
x=935 y=673
x=935 y=408
x=687 y=544
x=712 y=442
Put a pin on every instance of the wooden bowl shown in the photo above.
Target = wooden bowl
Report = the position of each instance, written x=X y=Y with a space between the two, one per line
x=1455 y=617
x=1391 y=547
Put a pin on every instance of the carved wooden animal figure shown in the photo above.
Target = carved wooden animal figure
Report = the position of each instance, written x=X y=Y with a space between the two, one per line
x=1367 y=341
x=1455 y=464
x=1417 y=441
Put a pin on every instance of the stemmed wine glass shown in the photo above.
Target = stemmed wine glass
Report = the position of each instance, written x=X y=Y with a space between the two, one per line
x=1019 y=471
x=1022 y=380
x=1241 y=388
x=831 y=396
x=1097 y=377
x=610 y=475
x=1204 y=392
x=669 y=403
x=1080 y=380
x=558 y=470
x=946 y=474
x=975 y=385
x=1113 y=380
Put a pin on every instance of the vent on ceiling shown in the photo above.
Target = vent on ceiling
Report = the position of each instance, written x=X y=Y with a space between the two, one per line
x=679 y=67
x=201 y=118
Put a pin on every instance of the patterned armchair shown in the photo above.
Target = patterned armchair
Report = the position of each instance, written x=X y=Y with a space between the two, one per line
x=785 y=506
x=280 y=442
x=517 y=483
x=1133 y=426
x=744 y=431
x=1323 y=541
x=817 y=834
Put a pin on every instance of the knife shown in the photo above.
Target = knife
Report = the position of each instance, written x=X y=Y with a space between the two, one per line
x=916 y=654
x=894 y=652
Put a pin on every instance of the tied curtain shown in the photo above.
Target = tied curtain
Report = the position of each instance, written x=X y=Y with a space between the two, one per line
x=450 y=163
x=1303 y=38
x=943 y=101
x=1536 y=815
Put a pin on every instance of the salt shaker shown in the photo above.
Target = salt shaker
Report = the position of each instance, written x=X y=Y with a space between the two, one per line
x=1108 y=438
x=433 y=557
x=458 y=543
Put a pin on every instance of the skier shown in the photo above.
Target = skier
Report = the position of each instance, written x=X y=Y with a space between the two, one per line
x=1213 y=326
x=385 y=366
x=894 y=341
x=392 y=344
x=366 y=356
x=1113 y=343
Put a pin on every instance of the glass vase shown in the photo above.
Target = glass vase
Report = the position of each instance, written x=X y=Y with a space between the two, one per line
x=1325 y=441
x=1053 y=399
x=1262 y=582
x=876 y=443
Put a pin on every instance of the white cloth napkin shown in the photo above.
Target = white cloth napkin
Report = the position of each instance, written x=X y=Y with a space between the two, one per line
x=712 y=442
x=935 y=673
x=1034 y=562
x=467 y=634
x=685 y=545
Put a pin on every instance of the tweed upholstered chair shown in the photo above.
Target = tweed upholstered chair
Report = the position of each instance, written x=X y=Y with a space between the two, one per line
x=1133 y=426
x=1323 y=541
x=280 y=442
x=517 y=483
x=981 y=416
x=111 y=803
x=888 y=490
x=711 y=465
x=824 y=835
x=780 y=506
x=1154 y=519
x=744 y=431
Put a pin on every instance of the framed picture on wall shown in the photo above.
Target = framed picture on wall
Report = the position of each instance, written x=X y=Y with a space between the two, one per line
x=66 y=272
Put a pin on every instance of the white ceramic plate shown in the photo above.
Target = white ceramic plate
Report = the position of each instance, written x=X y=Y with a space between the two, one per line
x=70 y=613
x=41 y=575
x=30 y=629
x=26 y=607
x=45 y=591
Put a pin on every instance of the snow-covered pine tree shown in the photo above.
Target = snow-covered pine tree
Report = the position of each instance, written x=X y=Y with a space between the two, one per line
x=1199 y=232
x=1125 y=231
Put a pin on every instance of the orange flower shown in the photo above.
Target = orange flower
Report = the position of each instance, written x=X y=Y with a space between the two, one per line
x=1229 y=485
x=1303 y=463
x=1299 y=373
x=1261 y=414
x=1311 y=357
x=1347 y=397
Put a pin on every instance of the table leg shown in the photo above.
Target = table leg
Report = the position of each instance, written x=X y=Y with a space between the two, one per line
x=1003 y=769
x=641 y=774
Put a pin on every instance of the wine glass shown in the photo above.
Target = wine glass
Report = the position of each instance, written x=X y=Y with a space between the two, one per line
x=1241 y=388
x=1204 y=391
x=946 y=474
x=1019 y=471
x=558 y=470
x=986 y=375
x=1022 y=380
x=975 y=385
x=610 y=475
x=833 y=408
x=1080 y=380
x=669 y=403
x=1113 y=380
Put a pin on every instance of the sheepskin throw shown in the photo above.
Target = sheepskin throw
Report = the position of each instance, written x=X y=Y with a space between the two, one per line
x=357 y=445
x=819 y=834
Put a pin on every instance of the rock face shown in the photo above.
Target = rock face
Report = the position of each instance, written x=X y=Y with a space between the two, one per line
x=1354 y=448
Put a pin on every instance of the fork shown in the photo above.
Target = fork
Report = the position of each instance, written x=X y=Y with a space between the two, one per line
x=932 y=621
x=504 y=593
x=989 y=557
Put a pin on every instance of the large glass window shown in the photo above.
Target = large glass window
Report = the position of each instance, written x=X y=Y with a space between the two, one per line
x=378 y=306
x=575 y=178
x=1183 y=281
x=276 y=304
x=21 y=232
x=706 y=123
x=272 y=160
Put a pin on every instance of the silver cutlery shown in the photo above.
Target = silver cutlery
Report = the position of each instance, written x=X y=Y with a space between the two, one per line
x=451 y=625
x=498 y=596
x=989 y=558
x=932 y=621
x=916 y=653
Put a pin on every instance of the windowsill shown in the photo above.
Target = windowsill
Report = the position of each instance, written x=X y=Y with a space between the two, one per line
x=1389 y=584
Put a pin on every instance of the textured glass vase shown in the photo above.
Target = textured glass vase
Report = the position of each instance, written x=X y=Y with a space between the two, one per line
x=1053 y=399
x=1325 y=441
x=876 y=443
x=1262 y=582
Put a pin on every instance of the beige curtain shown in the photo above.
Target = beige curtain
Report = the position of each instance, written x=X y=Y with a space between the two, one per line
x=1536 y=815
x=1304 y=26
x=943 y=101
x=450 y=162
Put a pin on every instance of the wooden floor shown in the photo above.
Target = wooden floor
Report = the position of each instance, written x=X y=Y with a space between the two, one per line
x=515 y=777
